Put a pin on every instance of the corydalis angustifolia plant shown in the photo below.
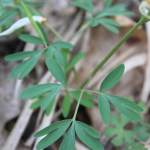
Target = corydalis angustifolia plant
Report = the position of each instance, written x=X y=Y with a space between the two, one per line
x=56 y=61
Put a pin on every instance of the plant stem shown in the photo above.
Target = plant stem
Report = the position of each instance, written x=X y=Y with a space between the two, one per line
x=78 y=104
x=142 y=20
x=32 y=21
x=54 y=31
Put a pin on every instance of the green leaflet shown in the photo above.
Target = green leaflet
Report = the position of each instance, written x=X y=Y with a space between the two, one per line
x=43 y=32
x=84 y=95
x=1 y=7
x=110 y=27
x=142 y=132
x=107 y=3
x=9 y=16
x=10 y=21
x=142 y=104
x=83 y=101
x=36 y=90
x=94 y=22
x=75 y=60
x=62 y=44
x=37 y=103
x=49 y=98
x=85 y=4
x=20 y=55
x=125 y=106
x=68 y=142
x=33 y=11
x=65 y=53
x=58 y=56
x=34 y=4
x=87 y=139
x=90 y=5
x=52 y=137
x=25 y=67
x=66 y=105
x=30 y=39
x=117 y=7
x=88 y=129
x=104 y=14
x=109 y=21
x=124 y=102
x=135 y=146
x=56 y=70
x=7 y=13
x=52 y=127
x=118 y=132
x=112 y=78
x=104 y=108
x=49 y=108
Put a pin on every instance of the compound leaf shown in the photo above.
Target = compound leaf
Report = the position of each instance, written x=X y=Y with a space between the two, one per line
x=112 y=78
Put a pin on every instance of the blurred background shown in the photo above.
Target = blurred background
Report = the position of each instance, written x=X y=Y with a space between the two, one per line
x=18 y=122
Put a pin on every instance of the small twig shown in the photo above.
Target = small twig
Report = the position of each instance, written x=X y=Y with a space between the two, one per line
x=146 y=87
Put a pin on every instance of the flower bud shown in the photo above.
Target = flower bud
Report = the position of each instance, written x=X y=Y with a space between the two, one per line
x=145 y=8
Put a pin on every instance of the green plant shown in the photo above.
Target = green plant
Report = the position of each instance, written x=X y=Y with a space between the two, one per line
x=136 y=146
x=56 y=60
x=119 y=134
x=9 y=10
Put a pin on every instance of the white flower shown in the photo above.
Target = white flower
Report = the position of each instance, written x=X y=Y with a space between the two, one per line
x=145 y=8
x=22 y=22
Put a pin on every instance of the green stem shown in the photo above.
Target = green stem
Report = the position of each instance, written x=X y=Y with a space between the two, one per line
x=32 y=21
x=78 y=104
x=113 y=51
x=54 y=31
